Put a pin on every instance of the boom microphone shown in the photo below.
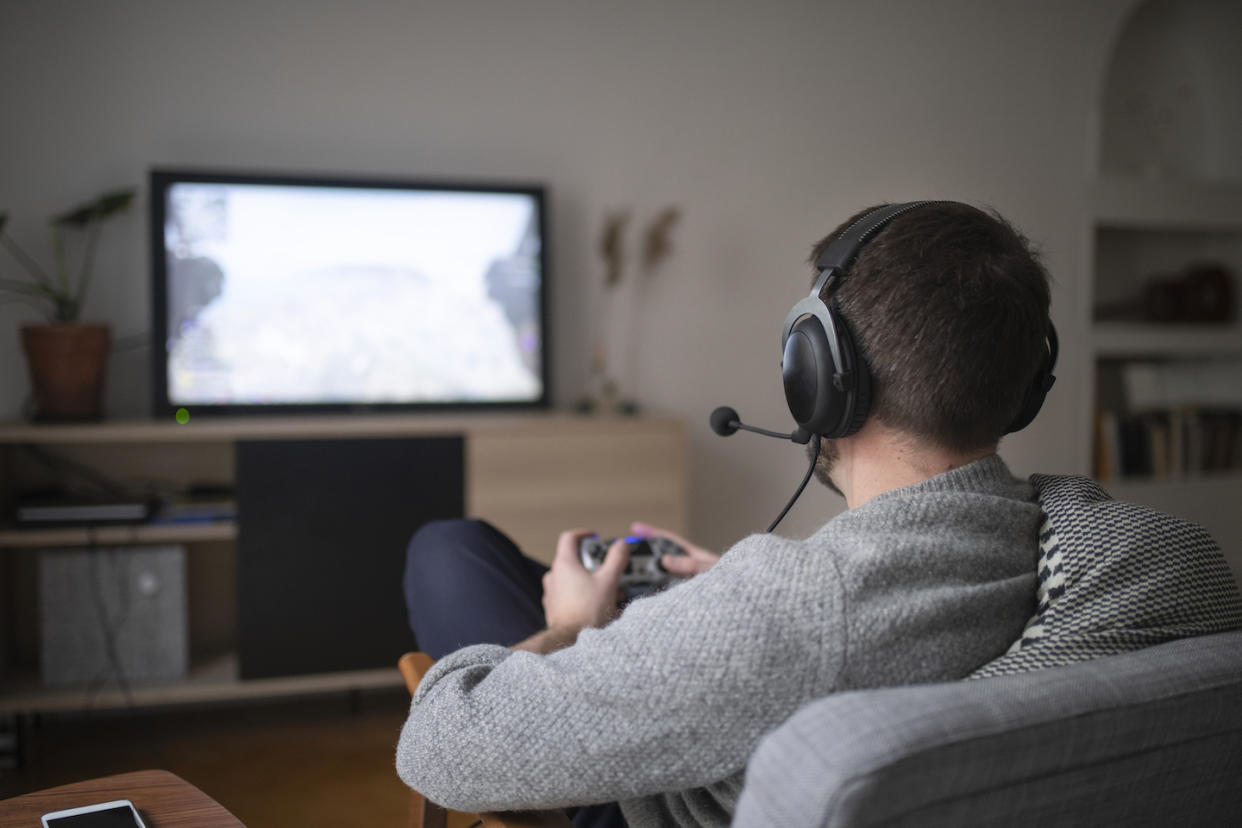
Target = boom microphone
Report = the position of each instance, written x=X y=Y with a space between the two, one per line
x=725 y=421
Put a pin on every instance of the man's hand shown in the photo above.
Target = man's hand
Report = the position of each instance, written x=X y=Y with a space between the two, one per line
x=575 y=598
x=696 y=560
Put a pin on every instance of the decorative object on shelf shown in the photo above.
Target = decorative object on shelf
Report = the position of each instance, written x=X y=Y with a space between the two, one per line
x=67 y=358
x=1201 y=294
x=616 y=333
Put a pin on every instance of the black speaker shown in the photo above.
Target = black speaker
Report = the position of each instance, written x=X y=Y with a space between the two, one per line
x=322 y=531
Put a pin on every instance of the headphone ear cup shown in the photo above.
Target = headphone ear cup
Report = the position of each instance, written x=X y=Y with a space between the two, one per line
x=1037 y=391
x=1033 y=400
x=807 y=370
x=860 y=394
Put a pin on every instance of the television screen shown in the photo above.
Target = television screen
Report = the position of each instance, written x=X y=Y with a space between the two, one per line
x=279 y=293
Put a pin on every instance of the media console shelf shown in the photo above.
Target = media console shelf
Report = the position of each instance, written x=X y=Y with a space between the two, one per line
x=531 y=474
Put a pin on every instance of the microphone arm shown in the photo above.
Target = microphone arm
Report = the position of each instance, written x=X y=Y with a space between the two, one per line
x=778 y=434
x=725 y=421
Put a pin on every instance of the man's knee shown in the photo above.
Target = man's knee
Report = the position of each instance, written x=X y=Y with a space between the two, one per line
x=440 y=542
x=467 y=583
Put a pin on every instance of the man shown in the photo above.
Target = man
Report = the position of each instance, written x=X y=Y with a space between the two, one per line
x=929 y=575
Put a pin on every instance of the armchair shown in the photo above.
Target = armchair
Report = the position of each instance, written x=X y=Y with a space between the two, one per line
x=1152 y=737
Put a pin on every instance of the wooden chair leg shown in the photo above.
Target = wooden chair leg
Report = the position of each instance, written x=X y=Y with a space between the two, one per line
x=425 y=813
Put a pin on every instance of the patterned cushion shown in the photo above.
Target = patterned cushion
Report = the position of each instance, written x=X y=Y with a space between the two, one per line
x=1116 y=577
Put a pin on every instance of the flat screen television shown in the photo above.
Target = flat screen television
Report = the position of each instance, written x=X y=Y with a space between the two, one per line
x=284 y=293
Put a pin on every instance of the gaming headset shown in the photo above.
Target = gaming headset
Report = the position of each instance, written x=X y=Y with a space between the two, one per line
x=827 y=383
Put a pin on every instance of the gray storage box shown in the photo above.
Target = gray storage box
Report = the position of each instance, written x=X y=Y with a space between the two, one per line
x=110 y=607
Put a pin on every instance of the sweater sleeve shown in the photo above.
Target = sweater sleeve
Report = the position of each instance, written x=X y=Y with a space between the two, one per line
x=672 y=695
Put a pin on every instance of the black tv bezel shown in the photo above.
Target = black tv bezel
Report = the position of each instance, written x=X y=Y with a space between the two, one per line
x=161 y=179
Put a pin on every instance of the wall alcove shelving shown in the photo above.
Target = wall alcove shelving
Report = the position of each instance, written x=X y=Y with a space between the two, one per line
x=1165 y=208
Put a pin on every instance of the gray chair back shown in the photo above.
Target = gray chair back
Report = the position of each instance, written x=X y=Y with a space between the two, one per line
x=1152 y=737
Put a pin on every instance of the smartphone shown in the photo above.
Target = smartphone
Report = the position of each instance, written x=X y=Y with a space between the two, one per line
x=119 y=813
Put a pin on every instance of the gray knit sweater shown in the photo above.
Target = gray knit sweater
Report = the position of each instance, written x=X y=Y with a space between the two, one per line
x=661 y=709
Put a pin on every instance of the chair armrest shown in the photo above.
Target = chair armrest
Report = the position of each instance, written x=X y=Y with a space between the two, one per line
x=413 y=667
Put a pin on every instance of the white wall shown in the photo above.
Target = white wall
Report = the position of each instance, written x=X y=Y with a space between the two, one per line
x=767 y=122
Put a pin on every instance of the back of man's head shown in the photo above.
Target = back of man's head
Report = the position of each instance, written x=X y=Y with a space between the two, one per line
x=949 y=307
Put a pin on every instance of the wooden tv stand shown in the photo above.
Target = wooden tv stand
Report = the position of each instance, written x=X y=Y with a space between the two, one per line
x=531 y=474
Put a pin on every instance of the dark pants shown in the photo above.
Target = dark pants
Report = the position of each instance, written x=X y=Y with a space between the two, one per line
x=467 y=583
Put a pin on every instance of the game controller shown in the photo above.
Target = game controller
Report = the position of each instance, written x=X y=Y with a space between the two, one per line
x=644 y=568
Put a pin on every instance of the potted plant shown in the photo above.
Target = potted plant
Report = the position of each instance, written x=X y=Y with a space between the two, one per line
x=67 y=357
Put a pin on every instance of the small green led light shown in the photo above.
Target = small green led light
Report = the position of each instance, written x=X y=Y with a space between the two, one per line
x=183 y=416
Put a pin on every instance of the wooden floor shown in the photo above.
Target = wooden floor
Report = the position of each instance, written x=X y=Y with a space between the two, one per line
x=326 y=761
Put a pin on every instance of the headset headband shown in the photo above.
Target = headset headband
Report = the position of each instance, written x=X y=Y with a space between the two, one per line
x=834 y=262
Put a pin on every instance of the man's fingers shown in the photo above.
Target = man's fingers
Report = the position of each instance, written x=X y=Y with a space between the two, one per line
x=680 y=565
x=567 y=545
x=617 y=557
x=646 y=530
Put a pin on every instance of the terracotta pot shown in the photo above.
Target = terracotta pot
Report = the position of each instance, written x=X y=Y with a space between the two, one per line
x=68 y=363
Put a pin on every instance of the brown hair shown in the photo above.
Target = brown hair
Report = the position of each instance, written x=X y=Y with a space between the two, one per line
x=949 y=306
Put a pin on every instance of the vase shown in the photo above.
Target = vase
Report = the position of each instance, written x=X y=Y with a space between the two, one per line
x=68 y=364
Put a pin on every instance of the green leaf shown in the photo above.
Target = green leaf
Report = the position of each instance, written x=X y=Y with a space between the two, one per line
x=77 y=217
x=96 y=210
x=113 y=202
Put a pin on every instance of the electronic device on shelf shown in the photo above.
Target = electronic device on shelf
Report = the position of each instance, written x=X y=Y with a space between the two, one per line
x=644 y=567
x=59 y=509
x=296 y=293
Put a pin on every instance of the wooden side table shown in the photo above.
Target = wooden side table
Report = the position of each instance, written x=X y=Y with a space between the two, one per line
x=164 y=799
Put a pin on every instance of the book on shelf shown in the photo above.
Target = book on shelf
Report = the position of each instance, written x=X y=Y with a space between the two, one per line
x=1210 y=384
x=1169 y=443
